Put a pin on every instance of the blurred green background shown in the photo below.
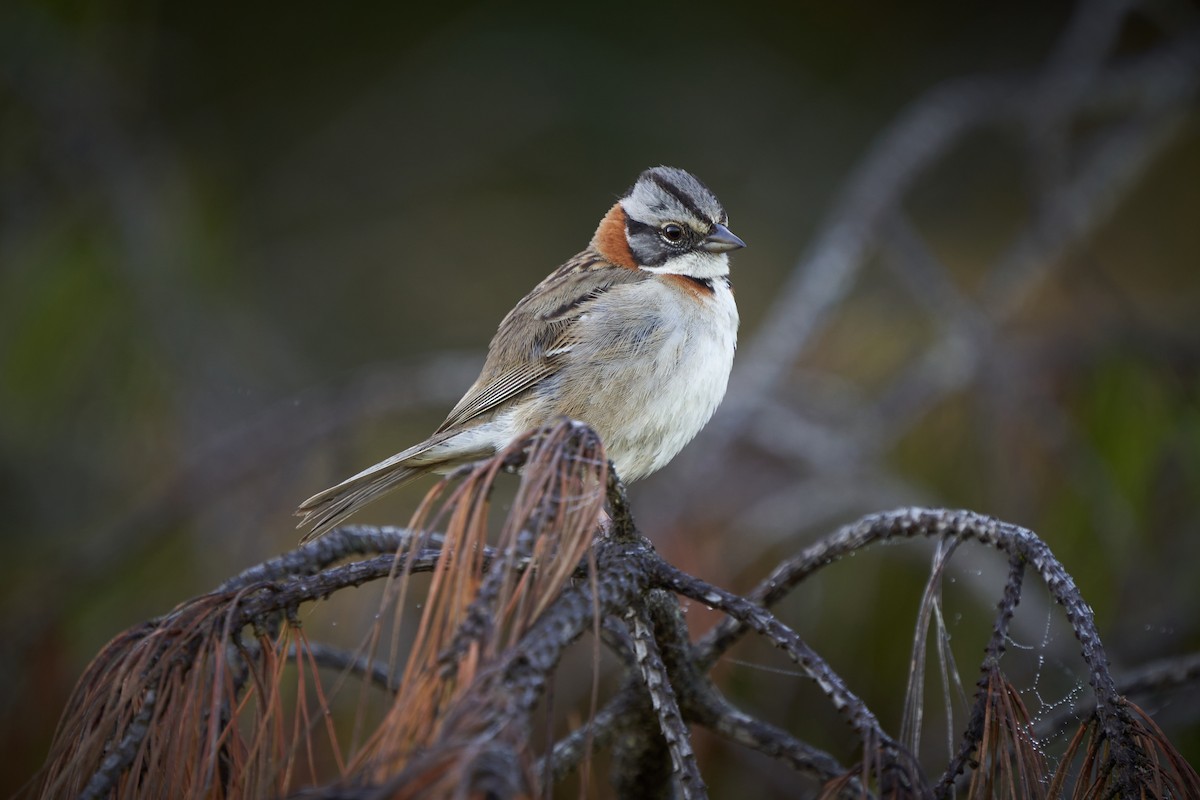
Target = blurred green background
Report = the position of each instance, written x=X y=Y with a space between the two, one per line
x=248 y=249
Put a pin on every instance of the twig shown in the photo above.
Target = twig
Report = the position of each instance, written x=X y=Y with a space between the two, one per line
x=599 y=730
x=1016 y=541
x=104 y=780
x=662 y=699
x=995 y=649
x=342 y=660
x=755 y=617
x=311 y=558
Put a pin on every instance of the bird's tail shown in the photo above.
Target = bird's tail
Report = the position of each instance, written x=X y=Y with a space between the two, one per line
x=441 y=452
x=324 y=510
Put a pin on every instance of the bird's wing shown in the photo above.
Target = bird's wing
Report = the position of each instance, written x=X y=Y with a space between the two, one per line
x=534 y=339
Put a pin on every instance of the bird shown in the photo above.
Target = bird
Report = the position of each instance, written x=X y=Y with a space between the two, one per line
x=634 y=336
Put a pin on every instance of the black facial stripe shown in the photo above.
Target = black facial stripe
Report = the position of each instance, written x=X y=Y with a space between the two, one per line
x=684 y=200
x=634 y=227
x=648 y=249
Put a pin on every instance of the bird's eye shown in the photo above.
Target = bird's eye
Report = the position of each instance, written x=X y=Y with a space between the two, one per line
x=672 y=233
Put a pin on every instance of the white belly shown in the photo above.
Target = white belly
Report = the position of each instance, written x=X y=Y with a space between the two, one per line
x=647 y=398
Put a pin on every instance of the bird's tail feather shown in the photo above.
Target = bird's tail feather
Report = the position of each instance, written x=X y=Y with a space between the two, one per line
x=324 y=510
x=439 y=453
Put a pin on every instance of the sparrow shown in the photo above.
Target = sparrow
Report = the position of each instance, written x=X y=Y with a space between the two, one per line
x=634 y=336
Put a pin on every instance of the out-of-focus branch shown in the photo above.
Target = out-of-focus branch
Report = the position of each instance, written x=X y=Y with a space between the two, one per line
x=1132 y=107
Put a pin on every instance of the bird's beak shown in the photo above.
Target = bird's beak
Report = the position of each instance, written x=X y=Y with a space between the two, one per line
x=721 y=240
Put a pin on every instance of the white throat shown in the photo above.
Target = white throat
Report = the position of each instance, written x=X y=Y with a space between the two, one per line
x=694 y=265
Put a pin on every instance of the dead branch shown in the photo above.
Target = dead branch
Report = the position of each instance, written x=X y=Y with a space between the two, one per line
x=497 y=620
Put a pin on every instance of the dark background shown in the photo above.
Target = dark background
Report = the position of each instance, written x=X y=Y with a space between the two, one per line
x=247 y=249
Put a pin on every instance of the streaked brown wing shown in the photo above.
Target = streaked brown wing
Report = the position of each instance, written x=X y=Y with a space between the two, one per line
x=533 y=340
